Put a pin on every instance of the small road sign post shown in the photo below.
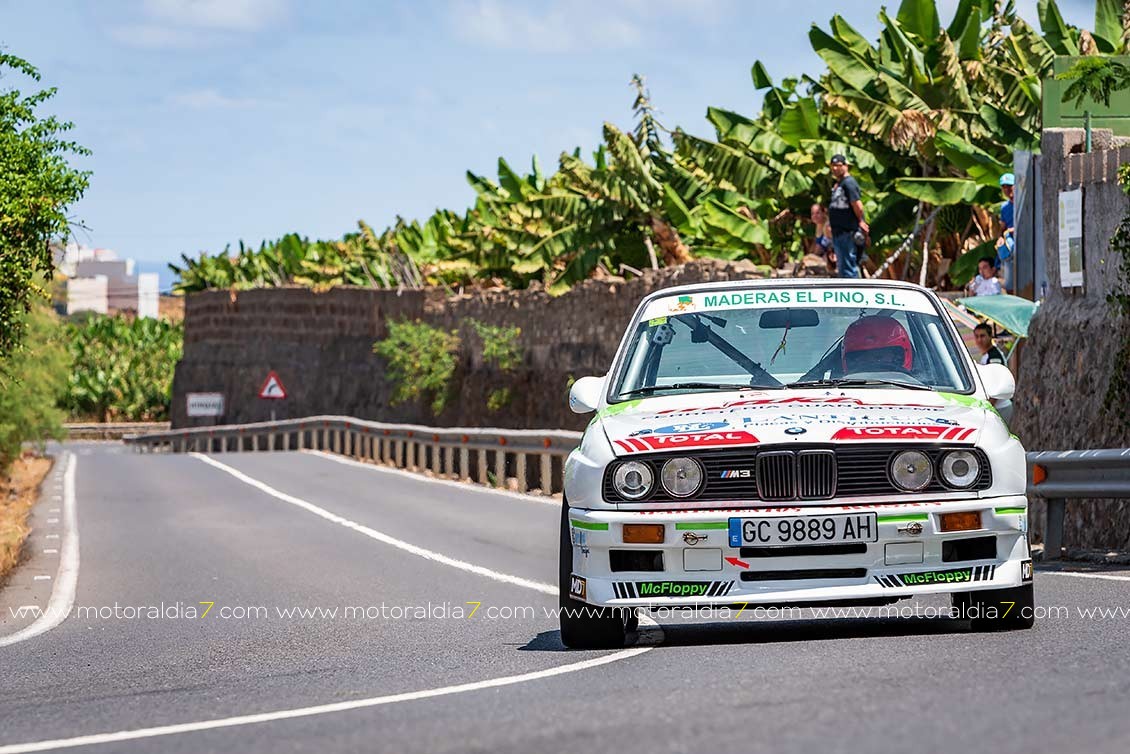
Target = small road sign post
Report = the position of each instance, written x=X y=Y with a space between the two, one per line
x=272 y=390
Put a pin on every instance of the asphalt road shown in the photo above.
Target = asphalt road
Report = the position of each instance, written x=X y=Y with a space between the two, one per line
x=300 y=531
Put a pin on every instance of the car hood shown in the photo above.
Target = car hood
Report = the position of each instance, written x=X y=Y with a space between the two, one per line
x=734 y=419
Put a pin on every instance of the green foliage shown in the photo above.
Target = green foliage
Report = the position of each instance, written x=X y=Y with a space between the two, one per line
x=499 y=399
x=421 y=362
x=32 y=381
x=928 y=114
x=1095 y=79
x=37 y=185
x=500 y=345
x=500 y=349
x=122 y=368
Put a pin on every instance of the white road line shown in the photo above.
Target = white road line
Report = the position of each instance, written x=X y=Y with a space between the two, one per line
x=41 y=577
x=322 y=709
x=51 y=536
x=52 y=520
x=50 y=550
x=63 y=593
x=1076 y=574
x=377 y=535
x=649 y=638
x=542 y=499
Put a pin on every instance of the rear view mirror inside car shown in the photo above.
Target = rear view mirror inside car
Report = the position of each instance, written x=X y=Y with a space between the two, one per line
x=779 y=319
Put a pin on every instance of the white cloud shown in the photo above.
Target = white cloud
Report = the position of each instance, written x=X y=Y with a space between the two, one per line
x=210 y=99
x=232 y=15
x=191 y=23
x=562 y=27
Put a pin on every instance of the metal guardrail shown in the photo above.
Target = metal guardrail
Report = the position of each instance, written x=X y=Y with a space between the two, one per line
x=110 y=430
x=528 y=459
x=520 y=459
x=1059 y=476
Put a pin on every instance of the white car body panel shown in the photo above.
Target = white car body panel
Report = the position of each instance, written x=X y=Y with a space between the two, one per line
x=778 y=419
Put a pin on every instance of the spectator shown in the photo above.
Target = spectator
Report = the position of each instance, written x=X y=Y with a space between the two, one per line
x=990 y=354
x=986 y=283
x=822 y=240
x=1006 y=244
x=845 y=218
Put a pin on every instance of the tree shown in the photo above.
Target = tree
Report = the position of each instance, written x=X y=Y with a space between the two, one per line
x=37 y=185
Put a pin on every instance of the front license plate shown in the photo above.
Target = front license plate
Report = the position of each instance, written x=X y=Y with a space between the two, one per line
x=780 y=531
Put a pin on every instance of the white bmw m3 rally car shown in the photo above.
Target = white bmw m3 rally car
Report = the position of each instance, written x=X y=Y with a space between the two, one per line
x=801 y=443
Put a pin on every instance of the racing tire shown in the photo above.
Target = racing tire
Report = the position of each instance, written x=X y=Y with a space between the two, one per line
x=585 y=626
x=1008 y=609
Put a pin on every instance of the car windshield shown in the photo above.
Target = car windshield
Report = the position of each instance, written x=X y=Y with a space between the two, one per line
x=798 y=338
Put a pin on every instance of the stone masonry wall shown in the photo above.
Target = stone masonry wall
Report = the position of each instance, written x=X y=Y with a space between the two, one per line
x=320 y=344
x=1070 y=354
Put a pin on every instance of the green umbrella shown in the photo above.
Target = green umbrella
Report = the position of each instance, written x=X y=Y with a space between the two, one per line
x=1007 y=312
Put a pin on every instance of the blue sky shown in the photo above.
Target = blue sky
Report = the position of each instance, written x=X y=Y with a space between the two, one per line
x=216 y=120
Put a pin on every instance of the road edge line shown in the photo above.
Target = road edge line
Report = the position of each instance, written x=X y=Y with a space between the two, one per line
x=66 y=578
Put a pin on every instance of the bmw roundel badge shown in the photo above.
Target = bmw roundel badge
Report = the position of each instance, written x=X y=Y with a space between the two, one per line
x=795 y=431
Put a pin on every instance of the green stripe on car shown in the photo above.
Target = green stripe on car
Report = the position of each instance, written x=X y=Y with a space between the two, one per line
x=703 y=525
x=587 y=525
x=1007 y=511
x=908 y=517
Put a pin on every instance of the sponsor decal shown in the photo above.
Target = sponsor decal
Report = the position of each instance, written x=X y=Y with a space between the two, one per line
x=640 y=589
x=800 y=401
x=693 y=440
x=915 y=432
x=737 y=562
x=681 y=304
x=736 y=474
x=1026 y=570
x=682 y=429
x=693 y=538
x=866 y=298
x=578 y=587
x=923 y=578
x=656 y=321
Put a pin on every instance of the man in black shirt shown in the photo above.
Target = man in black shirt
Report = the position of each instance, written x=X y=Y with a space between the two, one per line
x=990 y=354
x=845 y=216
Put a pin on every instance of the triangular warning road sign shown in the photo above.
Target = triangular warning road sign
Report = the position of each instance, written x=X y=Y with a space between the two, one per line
x=272 y=387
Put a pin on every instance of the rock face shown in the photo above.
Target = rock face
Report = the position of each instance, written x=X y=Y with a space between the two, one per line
x=320 y=344
x=1074 y=341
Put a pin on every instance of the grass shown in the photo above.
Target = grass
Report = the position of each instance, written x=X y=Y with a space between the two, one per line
x=19 y=491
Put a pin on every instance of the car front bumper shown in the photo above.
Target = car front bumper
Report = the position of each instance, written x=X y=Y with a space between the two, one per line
x=697 y=565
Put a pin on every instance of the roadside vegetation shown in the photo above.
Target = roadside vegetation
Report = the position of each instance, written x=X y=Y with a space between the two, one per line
x=121 y=368
x=928 y=114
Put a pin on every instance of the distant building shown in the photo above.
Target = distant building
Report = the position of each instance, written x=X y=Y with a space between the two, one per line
x=97 y=281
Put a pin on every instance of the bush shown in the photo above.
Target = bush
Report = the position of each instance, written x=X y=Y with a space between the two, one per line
x=32 y=380
x=122 y=368
x=421 y=362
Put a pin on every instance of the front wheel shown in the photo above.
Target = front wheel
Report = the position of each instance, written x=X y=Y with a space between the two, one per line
x=998 y=609
x=584 y=626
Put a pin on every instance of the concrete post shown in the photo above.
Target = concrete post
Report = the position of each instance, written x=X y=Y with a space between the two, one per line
x=464 y=463
x=1053 y=530
x=482 y=466
x=520 y=470
x=500 y=468
x=545 y=473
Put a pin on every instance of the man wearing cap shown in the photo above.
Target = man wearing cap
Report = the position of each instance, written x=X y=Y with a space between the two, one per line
x=845 y=216
x=1006 y=244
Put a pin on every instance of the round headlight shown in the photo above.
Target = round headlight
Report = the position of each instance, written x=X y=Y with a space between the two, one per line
x=911 y=470
x=960 y=468
x=681 y=477
x=632 y=479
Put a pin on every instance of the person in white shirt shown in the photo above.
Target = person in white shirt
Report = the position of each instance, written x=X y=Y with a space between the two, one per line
x=986 y=283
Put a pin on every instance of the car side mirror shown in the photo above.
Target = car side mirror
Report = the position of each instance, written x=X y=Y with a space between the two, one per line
x=999 y=383
x=584 y=396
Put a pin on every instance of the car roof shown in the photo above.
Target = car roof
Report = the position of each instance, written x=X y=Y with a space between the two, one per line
x=783 y=282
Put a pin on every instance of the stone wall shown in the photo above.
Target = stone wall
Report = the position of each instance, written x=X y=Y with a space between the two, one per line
x=320 y=344
x=1067 y=362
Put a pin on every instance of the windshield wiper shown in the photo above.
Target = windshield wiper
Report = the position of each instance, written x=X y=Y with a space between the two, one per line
x=857 y=382
x=650 y=389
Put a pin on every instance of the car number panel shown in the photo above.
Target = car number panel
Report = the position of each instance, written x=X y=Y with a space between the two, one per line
x=782 y=531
